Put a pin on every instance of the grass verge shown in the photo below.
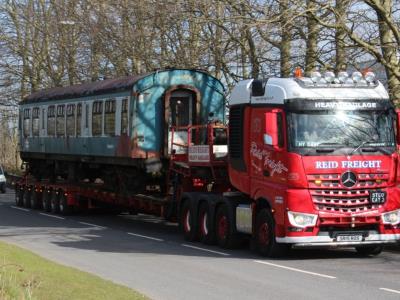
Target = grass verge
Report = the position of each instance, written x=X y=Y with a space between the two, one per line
x=24 y=275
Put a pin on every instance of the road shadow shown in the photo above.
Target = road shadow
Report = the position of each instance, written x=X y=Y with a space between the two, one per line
x=114 y=238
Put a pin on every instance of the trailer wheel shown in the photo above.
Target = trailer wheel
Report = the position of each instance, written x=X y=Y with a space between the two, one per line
x=65 y=209
x=55 y=202
x=206 y=234
x=46 y=199
x=225 y=228
x=265 y=236
x=187 y=222
x=369 y=250
x=26 y=199
x=19 y=194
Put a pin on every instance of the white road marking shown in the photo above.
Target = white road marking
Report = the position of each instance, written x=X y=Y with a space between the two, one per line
x=390 y=290
x=52 y=216
x=94 y=225
x=294 y=269
x=146 y=237
x=206 y=250
x=20 y=208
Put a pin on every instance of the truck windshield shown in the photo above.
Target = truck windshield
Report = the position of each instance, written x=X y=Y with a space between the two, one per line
x=315 y=129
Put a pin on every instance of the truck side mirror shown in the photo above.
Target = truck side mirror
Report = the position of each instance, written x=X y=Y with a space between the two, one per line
x=271 y=129
x=257 y=88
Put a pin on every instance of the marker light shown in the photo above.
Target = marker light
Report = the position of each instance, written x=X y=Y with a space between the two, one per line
x=357 y=77
x=302 y=220
x=370 y=77
x=316 y=77
x=343 y=76
x=298 y=73
x=329 y=76
x=392 y=217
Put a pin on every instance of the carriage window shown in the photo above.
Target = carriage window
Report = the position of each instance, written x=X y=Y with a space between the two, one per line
x=78 y=119
x=71 y=120
x=87 y=116
x=35 y=121
x=124 y=116
x=97 y=116
x=51 y=121
x=27 y=121
x=60 y=124
x=43 y=114
x=109 y=118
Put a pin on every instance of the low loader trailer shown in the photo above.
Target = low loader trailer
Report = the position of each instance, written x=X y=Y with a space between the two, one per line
x=303 y=162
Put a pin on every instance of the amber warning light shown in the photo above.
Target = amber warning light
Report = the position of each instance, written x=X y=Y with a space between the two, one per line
x=298 y=73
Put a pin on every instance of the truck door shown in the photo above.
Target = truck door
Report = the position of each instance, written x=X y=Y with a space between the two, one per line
x=268 y=168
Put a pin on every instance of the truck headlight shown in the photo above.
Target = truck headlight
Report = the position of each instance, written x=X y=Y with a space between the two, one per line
x=302 y=220
x=391 y=217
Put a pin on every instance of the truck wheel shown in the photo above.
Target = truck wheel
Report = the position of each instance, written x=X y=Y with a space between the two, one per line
x=19 y=194
x=65 y=209
x=206 y=234
x=46 y=199
x=55 y=202
x=369 y=250
x=187 y=222
x=266 y=244
x=225 y=229
x=35 y=203
x=3 y=188
x=26 y=199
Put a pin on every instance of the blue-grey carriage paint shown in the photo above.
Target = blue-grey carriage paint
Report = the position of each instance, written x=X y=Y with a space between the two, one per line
x=146 y=115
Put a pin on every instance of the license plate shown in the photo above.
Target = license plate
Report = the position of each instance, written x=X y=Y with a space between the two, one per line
x=349 y=238
x=377 y=197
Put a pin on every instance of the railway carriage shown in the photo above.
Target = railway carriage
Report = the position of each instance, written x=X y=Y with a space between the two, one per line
x=115 y=129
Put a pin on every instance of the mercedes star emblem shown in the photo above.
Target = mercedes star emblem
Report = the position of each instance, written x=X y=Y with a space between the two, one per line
x=349 y=179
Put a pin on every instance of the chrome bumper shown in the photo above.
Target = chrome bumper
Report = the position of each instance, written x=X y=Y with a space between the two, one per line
x=327 y=241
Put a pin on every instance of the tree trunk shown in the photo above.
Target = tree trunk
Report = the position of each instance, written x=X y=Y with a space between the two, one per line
x=312 y=38
x=285 y=45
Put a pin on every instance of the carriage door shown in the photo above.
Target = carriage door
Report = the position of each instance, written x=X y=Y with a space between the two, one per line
x=181 y=115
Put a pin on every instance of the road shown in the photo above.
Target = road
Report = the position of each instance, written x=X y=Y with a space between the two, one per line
x=149 y=255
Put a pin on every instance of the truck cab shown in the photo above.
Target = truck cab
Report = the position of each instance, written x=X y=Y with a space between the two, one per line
x=317 y=157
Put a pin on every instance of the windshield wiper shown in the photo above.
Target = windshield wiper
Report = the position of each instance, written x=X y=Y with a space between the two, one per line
x=373 y=149
x=326 y=150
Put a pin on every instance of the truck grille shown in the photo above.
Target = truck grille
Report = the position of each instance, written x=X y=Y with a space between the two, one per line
x=330 y=195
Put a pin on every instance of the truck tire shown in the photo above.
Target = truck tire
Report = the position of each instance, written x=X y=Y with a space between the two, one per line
x=65 y=209
x=187 y=221
x=26 y=199
x=225 y=230
x=19 y=194
x=369 y=250
x=46 y=199
x=3 y=188
x=35 y=200
x=206 y=233
x=265 y=241
x=55 y=202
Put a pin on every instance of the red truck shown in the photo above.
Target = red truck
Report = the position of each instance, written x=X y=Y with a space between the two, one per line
x=304 y=162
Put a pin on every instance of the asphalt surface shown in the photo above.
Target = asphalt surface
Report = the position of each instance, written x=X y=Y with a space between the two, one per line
x=149 y=255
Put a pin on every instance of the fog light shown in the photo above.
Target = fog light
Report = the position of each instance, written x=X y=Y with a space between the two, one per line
x=316 y=77
x=343 y=76
x=329 y=77
x=370 y=77
x=357 y=77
